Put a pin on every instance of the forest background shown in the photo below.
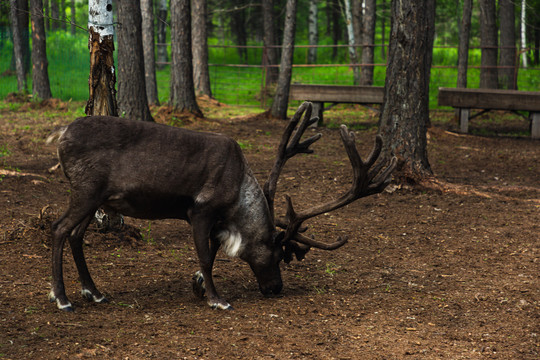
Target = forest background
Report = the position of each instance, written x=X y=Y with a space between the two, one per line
x=236 y=52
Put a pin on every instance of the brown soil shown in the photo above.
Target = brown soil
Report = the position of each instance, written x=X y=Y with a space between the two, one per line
x=427 y=274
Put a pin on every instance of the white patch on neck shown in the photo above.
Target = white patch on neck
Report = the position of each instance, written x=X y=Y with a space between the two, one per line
x=231 y=241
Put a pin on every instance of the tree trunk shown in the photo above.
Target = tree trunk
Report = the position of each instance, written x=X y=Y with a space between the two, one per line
x=149 y=51
x=333 y=14
x=523 y=32
x=62 y=22
x=102 y=79
x=463 y=50
x=488 y=43
x=162 y=55
x=313 y=31
x=353 y=59
x=18 y=47
x=47 y=13
x=73 y=21
x=55 y=15
x=22 y=19
x=238 y=28
x=41 y=88
x=269 y=41
x=201 y=74
x=507 y=61
x=281 y=99
x=132 y=100
x=358 y=25
x=368 y=40
x=182 y=95
x=405 y=112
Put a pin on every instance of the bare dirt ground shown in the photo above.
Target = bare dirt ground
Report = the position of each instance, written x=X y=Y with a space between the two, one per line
x=426 y=274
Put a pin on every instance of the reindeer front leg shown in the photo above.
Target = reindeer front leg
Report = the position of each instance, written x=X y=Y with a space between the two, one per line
x=206 y=251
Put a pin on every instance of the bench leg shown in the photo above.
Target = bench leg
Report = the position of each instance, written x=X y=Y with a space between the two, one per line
x=318 y=108
x=464 y=120
x=535 y=125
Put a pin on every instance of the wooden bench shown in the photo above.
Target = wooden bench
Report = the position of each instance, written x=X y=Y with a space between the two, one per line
x=489 y=99
x=320 y=94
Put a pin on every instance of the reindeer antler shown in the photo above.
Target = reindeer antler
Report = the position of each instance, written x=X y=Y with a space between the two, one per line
x=369 y=177
x=289 y=147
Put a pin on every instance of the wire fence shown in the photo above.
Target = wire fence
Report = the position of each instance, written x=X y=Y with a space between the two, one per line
x=238 y=73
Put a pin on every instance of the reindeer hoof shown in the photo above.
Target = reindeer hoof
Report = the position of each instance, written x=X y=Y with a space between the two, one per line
x=62 y=305
x=97 y=298
x=221 y=306
x=198 y=285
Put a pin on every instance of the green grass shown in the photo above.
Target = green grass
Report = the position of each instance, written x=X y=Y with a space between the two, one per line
x=69 y=66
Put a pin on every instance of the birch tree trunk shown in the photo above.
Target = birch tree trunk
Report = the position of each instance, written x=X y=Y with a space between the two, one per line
x=463 y=49
x=17 y=48
x=281 y=99
x=201 y=74
x=507 y=61
x=357 y=25
x=313 y=31
x=368 y=39
x=148 y=42
x=102 y=79
x=353 y=59
x=41 y=87
x=162 y=55
x=524 y=32
x=405 y=112
x=182 y=95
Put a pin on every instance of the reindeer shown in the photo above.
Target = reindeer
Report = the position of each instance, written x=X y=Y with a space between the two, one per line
x=152 y=171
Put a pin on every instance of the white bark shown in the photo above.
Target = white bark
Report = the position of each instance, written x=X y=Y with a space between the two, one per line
x=100 y=17
x=523 y=32
x=350 y=32
x=313 y=31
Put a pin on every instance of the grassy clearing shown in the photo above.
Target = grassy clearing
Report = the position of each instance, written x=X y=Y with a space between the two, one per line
x=69 y=65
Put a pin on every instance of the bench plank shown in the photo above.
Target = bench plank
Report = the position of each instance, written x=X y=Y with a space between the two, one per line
x=337 y=93
x=490 y=99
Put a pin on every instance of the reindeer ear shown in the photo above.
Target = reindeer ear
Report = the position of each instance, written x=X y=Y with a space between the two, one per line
x=278 y=237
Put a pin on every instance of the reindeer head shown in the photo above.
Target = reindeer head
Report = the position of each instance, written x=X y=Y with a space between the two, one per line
x=369 y=177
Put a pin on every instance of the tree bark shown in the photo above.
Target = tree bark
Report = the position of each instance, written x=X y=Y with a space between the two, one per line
x=18 y=47
x=353 y=59
x=405 y=112
x=22 y=19
x=368 y=40
x=132 y=101
x=333 y=15
x=55 y=15
x=201 y=73
x=102 y=79
x=269 y=42
x=463 y=50
x=162 y=55
x=149 y=51
x=182 y=96
x=73 y=22
x=281 y=99
x=313 y=31
x=523 y=30
x=358 y=25
x=507 y=61
x=41 y=88
x=238 y=29
x=488 y=43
